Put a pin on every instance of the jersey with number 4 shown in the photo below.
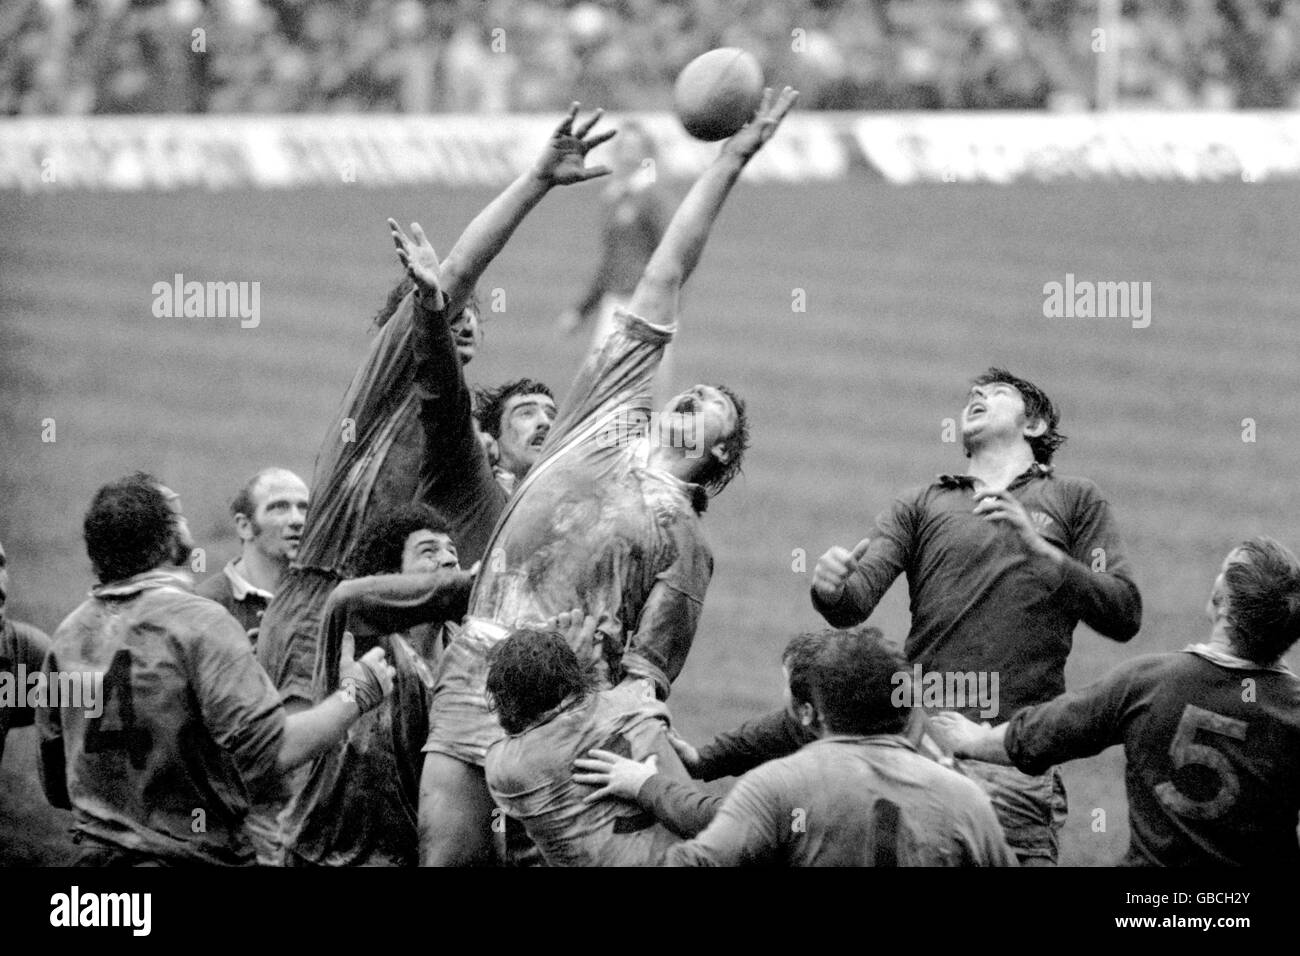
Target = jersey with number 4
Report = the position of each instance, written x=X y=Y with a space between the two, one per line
x=1211 y=744
x=179 y=727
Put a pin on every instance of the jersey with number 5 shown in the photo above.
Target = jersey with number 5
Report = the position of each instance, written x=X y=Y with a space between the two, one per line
x=176 y=726
x=1210 y=742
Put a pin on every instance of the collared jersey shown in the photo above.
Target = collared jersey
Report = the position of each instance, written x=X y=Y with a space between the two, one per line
x=850 y=801
x=23 y=644
x=190 y=727
x=245 y=602
x=980 y=603
x=1210 y=744
x=593 y=526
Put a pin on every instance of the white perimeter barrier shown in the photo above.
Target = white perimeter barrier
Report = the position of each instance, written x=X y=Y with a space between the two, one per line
x=277 y=152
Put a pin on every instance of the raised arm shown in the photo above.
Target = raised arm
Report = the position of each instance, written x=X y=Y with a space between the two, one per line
x=677 y=254
x=562 y=163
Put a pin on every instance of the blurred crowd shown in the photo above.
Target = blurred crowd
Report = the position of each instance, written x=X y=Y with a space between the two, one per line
x=267 y=56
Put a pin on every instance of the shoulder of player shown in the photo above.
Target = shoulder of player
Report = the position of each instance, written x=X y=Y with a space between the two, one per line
x=192 y=616
x=1074 y=488
x=215 y=587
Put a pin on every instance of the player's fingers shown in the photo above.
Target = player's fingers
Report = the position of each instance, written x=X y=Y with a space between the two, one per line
x=600 y=794
x=765 y=104
x=374 y=657
x=860 y=550
x=787 y=99
x=595 y=141
x=348 y=647
x=595 y=753
x=566 y=124
x=420 y=237
x=595 y=172
x=588 y=765
x=594 y=779
x=652 y=762
x=584 y=128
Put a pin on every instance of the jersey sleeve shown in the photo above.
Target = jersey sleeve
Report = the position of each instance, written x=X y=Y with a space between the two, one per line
x=1077 y=724
x=456 y=478
x=747 y=829
x=237 y=701
x=385 y=604
x=666 y=627
x=891 y=549
x=53 y=759
x=380 y=384
x=30 y=647
x=619 y=374
x=753 y=743
x=684 y=808
x=1097 y=583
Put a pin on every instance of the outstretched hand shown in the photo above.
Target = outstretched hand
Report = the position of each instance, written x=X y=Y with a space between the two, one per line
x=419 y=260
x=760 y=128
x=564 y=160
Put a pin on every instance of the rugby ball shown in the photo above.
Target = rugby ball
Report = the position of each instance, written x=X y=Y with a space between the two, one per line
x=717 y=92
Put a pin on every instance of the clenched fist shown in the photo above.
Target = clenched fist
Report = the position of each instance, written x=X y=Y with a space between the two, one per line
x=834 y=568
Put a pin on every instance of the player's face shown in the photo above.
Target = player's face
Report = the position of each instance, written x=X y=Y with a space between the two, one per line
x=698 y=419
x=182 y=542
x=996 y=409
x=468 y=333
x=278 y=518
x=4 y=581
x=525 y=422
x=426 y=551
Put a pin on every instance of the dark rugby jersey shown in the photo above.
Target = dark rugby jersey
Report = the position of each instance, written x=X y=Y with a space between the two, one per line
x=358 y=807
x=411 y=438
x=19 y=644
x=979 y=601
x=245 y=602
x=1211 y=744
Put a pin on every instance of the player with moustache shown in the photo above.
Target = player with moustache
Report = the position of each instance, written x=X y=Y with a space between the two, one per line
x=607 y=521
x=1002 y=563
x=269 y=513
x=188 y=727
x=401 y=432
x=1210 y=732
x=375 y=455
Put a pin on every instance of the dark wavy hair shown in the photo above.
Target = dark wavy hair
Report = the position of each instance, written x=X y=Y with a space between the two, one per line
x=490 y=403
x=852 y=683
x=1263 y=614
x=382 y=540
x=533 y=671
x=1037 y=407
x=128 y=528
x=717 y=474
x=798 y=658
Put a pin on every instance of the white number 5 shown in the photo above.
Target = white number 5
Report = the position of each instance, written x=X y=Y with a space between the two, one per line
x=1185 y=753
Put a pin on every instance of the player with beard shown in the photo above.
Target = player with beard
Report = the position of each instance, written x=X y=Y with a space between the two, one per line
x=269 y=512
x=400 y=434
x=186 y=725
x=607 y=521
x=1002 y=563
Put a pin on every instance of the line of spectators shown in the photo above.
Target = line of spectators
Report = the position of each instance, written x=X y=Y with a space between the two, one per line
x=264 y=56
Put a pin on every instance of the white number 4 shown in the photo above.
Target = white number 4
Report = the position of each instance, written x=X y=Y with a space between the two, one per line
x=1186 y=753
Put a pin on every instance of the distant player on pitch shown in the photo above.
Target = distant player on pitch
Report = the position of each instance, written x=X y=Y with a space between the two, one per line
x=1002 y=563
x=607 y=522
